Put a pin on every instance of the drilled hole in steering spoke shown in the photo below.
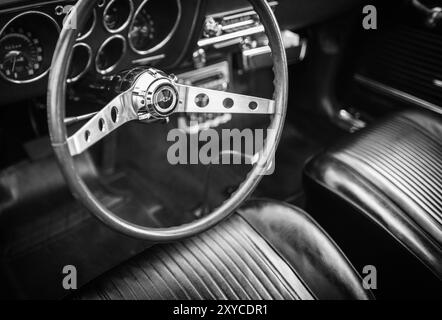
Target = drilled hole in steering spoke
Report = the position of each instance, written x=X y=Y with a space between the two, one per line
x=253 y=105
x=228 y=103
x=87 y=135
x=202 y=100
x=101 y=124
x=114 y=114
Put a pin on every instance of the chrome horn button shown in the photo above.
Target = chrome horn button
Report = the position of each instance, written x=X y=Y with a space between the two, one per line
x=155 y=95
x=165 y=99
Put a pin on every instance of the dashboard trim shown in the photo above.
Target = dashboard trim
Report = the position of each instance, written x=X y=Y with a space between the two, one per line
x=150 y=59
x=6 y=26
x=165 y=40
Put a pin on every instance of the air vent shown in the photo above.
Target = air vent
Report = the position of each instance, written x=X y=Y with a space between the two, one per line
x=407 y=59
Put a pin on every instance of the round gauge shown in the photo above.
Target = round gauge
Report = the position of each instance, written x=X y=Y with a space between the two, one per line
x=117 y=15
x=21 y=56
x=151 y=26
x=110 y=54
x=27 y=42
x=142 y=32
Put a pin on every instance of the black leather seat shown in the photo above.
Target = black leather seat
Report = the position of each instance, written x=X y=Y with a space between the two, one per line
x=266 y=251
x=383 y=191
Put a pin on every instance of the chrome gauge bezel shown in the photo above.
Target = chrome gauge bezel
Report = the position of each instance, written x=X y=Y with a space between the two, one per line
x=125 y=24
x=114 y=66
x=6 y=26
x=88 y=65
x=163 y=42
x=88 y=32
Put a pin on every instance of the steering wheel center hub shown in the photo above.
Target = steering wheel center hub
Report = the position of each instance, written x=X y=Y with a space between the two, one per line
x=165 y=98
x=155 y=95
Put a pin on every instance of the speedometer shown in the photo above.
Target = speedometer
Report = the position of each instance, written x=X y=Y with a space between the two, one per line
x=25 y=43
x=21 y=56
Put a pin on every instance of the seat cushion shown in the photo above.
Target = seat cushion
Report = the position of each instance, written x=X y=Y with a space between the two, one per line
x=391 y=173
x=248 y=256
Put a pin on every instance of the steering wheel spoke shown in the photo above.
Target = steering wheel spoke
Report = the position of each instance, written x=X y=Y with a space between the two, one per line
x=115 y=114
x=200 y=100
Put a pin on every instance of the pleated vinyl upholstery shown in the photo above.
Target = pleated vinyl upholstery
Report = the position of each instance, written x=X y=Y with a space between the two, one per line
x=407 y=157
x=392 y=172
x=230 y=261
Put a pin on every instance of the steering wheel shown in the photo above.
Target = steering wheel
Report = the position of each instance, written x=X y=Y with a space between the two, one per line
x=150 y=93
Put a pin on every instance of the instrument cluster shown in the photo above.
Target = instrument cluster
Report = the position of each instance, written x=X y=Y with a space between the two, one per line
x=117 y=34
x=128 y=32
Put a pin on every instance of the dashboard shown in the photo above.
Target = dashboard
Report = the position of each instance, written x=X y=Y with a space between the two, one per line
x=118 y=35
x=122 y=34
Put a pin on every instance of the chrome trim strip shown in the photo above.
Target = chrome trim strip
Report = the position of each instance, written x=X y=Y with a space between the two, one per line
x=240 y=24
x=257 y=51
x=229 y=36
x=397 y=93
x=165 y=40
x=239 y=15
x=144 y=61
x=111 y=68
x=6 y=26
x=88 y=65
x=125 y=24
x=88 y=33
x=228 y=43
x=239 y=11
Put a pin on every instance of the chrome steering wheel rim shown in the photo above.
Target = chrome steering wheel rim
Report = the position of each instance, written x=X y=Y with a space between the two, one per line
x=59 y=138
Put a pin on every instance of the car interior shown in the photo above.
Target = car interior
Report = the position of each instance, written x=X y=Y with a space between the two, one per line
x=344 y=201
